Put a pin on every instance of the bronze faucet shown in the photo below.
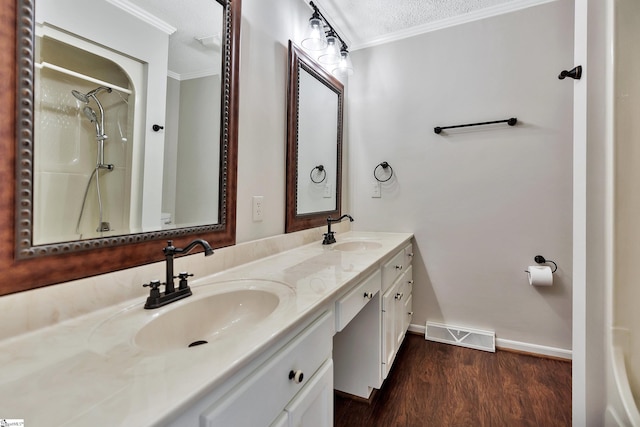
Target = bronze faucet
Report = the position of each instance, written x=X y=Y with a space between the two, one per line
x=158 y=299
x=329 y=236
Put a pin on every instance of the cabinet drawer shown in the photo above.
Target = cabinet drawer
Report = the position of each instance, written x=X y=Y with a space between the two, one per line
x=392 y=269
x=263 y=395
x=349 y=305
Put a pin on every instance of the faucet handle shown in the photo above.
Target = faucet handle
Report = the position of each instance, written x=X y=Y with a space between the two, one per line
x=183 y=279
x=155 y=288
x=154 y=284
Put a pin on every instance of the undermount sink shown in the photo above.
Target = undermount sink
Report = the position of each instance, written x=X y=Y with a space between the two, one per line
x=357 y=245
x=213 y=311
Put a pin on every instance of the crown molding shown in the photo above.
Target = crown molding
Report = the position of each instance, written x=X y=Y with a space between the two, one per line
x=488 y=12
x=143 y=15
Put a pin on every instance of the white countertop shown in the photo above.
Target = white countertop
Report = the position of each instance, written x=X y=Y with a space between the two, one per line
x=88 y=371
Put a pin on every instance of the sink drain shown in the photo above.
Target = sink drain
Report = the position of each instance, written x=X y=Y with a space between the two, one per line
x=199 y=342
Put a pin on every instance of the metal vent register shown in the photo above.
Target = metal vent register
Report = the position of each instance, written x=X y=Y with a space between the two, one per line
x=464 y=337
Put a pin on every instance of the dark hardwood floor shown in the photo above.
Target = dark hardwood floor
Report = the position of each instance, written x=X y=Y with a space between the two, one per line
x=434 y=384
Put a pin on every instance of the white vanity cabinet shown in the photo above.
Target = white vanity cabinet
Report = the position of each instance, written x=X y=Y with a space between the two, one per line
x=396 y=305
x=369 y=332
x=292 y=385
x=356 y=345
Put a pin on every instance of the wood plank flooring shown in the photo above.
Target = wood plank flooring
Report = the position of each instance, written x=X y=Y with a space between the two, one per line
x=434 y=384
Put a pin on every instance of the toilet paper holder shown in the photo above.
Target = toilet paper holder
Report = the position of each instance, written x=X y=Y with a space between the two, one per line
x=541 y=260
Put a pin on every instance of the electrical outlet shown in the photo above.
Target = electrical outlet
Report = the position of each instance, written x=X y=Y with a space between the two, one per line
x=375 y=190
x=258 y=208
x=327 y=191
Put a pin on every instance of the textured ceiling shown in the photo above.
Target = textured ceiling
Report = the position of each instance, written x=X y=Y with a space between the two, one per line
x=364 y=22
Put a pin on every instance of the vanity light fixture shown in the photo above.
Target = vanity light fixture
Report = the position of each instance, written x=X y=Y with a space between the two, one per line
x=331 y=55
x=322 y=38
x=315 y=38
x=344 y=66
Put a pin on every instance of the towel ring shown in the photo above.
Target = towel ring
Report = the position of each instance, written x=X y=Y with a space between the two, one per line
x=384 y=166
x=322 y=170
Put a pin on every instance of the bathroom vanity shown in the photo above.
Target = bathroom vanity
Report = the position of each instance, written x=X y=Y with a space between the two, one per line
x=264 y=343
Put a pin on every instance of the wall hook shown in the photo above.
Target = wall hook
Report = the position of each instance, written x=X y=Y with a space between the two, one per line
x=540 y=260
x=574 y=73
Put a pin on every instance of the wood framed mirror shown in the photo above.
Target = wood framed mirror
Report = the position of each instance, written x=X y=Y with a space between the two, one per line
x=32 y=263
x=315 y=102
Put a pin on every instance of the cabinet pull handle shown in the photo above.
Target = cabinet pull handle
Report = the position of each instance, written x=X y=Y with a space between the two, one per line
x=399 y=296
x=368 y=295
x=398 y=267
x=296 y=376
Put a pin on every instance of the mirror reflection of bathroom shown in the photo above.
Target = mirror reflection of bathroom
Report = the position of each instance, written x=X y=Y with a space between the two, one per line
x=84 y=111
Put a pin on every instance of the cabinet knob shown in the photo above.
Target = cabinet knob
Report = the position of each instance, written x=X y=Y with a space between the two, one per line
x=398 y=267
x=399 y=295
x=410 y=255
x=410 y=282
x=410 y=313
x=368 y=295
x=296 y=376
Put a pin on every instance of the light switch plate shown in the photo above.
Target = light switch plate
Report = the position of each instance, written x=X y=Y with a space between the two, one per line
x=327 y=191
x=375 y=190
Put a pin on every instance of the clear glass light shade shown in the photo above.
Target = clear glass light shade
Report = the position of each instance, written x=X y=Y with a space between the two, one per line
x=331 y=56
x=344 y=66
x=314 y=38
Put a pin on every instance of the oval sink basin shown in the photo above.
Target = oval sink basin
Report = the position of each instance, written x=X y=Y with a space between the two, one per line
x=204 y=319
x=213 y=311
x=357 y=245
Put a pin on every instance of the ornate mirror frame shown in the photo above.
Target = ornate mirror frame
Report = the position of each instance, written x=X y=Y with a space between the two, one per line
x=299 y=60
x=26 y=266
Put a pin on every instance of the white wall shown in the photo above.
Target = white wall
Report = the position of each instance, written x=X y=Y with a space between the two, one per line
x=482 y=201
x=198 y=162
x=266 y=29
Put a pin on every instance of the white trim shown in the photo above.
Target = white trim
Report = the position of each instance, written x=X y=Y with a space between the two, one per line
x=143 y=15
x=419 y=329
x=534 y=348
x=476 y=15
x=193 y=75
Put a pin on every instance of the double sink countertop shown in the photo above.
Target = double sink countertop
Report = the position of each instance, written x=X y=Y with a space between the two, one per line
x=124 y=365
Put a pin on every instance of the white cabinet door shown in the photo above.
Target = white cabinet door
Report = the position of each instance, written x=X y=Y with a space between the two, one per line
x=408 y=299
x=313 y=405
x=408 y=313
x=388 y=328
x=402 y=307
x=396 y=309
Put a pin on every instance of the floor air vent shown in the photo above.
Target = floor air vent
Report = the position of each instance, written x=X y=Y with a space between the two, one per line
x=464 y=337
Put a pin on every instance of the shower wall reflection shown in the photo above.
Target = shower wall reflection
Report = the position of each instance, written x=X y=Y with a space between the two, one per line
x=83 y=165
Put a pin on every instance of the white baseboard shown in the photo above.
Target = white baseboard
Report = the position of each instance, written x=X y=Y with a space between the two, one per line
x=526 y=347
x=418 y=329
x=515 y=345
